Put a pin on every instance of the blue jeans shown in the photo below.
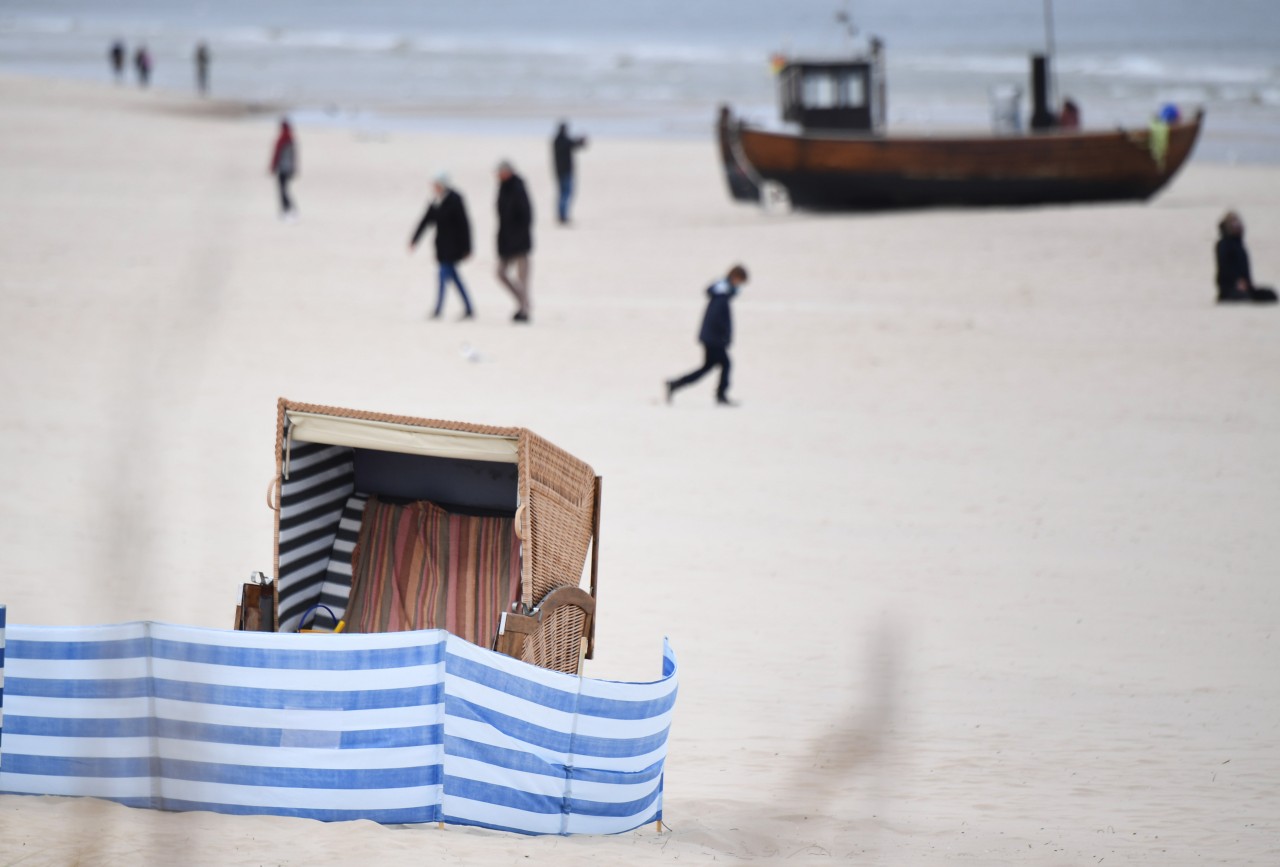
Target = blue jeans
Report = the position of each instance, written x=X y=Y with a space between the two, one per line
x=566 y=194
x=449 y=271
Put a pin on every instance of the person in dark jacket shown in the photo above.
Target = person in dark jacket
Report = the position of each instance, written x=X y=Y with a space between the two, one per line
x=515 y=237
x=715 y=336
x=562 y=148
x=117 y=59
x=448 y=213
x=1235 y=283
x=284 y=165
x=202 y=58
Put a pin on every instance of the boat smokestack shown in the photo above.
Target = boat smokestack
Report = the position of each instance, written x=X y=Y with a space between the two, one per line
x=1041 y=116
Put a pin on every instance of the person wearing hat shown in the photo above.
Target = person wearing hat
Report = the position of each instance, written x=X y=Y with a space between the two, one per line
x=515 y=237
x=448 y=213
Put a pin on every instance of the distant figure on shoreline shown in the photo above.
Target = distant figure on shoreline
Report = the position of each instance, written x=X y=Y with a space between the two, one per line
x=453 y=240
x=116 y=54
x=142 y=63
x=202 y=68
x=1235 y=282
x=715 y=335
x=562 y=148
x=1069 y=117
x=515 y=237
x=284 y=165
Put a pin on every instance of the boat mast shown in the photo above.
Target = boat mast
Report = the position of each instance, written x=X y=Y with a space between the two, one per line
x=1048 y=39
x=845 y=17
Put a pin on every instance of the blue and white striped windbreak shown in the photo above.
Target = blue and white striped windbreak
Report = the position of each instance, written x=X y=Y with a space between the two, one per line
x=398 y=727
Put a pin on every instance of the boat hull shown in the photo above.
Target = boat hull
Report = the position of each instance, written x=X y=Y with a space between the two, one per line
x=869 y=172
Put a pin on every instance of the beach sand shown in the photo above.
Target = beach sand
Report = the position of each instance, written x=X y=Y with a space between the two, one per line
x=982 y=569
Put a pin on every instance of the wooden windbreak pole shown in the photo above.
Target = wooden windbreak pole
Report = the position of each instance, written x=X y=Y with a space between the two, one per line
x=595 y=562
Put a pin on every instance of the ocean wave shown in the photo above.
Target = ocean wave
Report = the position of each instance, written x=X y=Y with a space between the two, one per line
x=1147 y=68
x=1131 y=67
x=39 y=25
x=610 y=51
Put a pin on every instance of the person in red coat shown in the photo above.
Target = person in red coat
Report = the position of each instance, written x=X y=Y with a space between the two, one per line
x=284 y=165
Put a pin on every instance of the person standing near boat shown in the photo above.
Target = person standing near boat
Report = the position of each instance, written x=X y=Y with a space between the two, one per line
x=562 y=148
x=715 y=335
x=1069 y=117
x=448 y=213
x=1235 y=282
x=284 y=165
x=515 y=237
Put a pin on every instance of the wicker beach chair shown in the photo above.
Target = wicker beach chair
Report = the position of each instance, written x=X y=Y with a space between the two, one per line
x=332 y=462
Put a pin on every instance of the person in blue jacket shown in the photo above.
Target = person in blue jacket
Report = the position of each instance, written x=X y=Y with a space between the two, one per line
x=715 y=335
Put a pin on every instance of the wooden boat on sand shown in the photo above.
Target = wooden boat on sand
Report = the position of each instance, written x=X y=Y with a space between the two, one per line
x=841 y=159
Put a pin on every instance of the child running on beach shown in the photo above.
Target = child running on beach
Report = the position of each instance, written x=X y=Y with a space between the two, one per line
x=715 y=336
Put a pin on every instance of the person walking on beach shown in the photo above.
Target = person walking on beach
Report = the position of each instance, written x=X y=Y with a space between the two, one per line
x=202 y=68
x=116 y=55
x=1235 y=282
x=448 y=213
x=515 y=237
x=142 y=64
x=284 y=165
x=562 y=148
x=715 y=336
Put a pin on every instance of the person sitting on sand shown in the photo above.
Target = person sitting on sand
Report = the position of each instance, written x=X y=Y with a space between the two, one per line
x=1235 y=282
x=715 y=336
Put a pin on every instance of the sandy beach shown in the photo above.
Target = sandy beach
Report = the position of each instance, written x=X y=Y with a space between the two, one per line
x=980 y=571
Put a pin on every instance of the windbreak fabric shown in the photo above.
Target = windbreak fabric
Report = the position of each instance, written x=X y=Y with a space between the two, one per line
x=400 y=727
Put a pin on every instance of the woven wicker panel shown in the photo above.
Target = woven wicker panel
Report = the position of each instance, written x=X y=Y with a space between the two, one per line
x=555 y=645
x=558 y=492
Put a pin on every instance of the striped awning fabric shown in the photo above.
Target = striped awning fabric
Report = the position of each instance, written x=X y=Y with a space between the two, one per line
x=403 y=727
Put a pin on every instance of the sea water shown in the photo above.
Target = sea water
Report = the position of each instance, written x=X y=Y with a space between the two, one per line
x=661 y=67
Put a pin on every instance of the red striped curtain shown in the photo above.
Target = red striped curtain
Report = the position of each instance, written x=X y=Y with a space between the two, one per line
x=417 y=566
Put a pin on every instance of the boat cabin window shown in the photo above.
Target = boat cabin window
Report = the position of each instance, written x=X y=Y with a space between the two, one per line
x=821 y=90
x=853 y=89
x=835 y=96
